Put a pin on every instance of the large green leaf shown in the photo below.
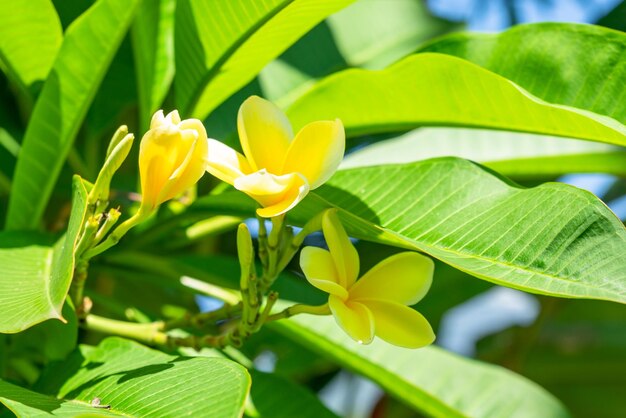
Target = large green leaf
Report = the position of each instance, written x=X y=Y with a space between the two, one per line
x=136 y=382
x=510 y=153
x=273 y=396
x=368 y=33
x=153 y=46
x=552 y=239
x=431 y=380
x=373 y=34
x=221 y=46
x=30 y=36
x=89 y=46
x=437 y=89
x=570 y=64
x=34 y=277
x=26 y=403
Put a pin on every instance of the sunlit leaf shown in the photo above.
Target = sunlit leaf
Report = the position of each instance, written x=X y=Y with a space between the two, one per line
x=35 y=277
x=275 y=397
x=510 y=153
x=79 y=67
x=136 y=382
x=553 y=61
x=368 y=33
x=436 y=89
x=30 y=36
x=221 y=46
x=429 y=379
x=153 y=46
x=552 y=239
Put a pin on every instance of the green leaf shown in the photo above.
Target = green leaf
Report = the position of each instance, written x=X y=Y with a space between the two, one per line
x=616 y=18
x=367 y=33
x=221 y=46
x=35 y=277
x=509 y=153
x=153 y=46
x=87 y=50
x=553 y=62
x=26 y=403
x=437 y=89
x=553 y=239
x=431 y=380
x=108 y=111
x=275 y=397
x=136 y=382
x=53 y=339
x=374 y=34
x=30 y=36
x=595 y=368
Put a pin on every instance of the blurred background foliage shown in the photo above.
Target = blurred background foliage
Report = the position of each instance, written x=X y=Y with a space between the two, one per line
x=575 y=349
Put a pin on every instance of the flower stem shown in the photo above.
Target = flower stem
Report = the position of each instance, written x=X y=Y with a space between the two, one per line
x=146 y=333
x=117 y=234
x=300 y=309
x=202 y=319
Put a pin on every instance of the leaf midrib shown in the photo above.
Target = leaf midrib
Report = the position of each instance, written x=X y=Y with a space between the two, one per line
x=383 y=376
x=230 y=51
x=422 y=246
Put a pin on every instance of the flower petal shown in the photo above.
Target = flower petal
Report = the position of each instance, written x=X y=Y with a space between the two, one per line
x=161 y=152
x=157 y=120
x=316 y=151
x=265 y=133
x=343 y=252
x=400 y=325
x=225 y=163
x=277 y=194
x=355 y=319
x=291 y=199
x=173 y=118
x=402 y=278
x=319 y=269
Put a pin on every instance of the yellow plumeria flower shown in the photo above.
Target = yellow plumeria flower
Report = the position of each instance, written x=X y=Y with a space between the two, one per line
x=171 y=158
x=376 y=304
x=277 y=169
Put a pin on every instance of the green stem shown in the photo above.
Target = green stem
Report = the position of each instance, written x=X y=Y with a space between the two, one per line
x=269 y=304
x=117 y=234
x=300 y=309
x=202 y=319
x=206 y=227
x=111 y=218
x=262 y=240
x=77 y=287
x=89 y=232
x=313 y=225
x=149 y=334
x=270 y=272
x=226 y=295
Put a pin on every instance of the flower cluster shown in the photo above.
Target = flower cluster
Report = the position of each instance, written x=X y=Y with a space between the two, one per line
x=278 y=169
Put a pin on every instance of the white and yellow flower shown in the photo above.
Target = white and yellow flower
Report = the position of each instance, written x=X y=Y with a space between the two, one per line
x=276 y=168
x=378 y=303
